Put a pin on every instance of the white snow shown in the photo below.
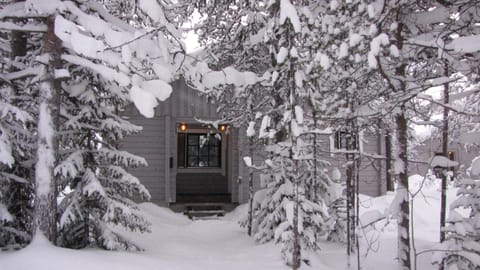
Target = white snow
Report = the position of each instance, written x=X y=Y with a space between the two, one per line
x=296 y=129
x=282 y=55
x=441 y=161
x=394 y=51
x=43 y=7
x=343 y=50
x=248 y=161
x=334 y=4
x=61 y=73
x=323 y=59
x=4 y=214
x=144 y=101
x=251 y=129
x=335 y=174
x=355 y=39
x=299 y=114
x=264 y=126
x=288 y=11
x=469 y=44
x=475 y=167
x=5 y=151
x=179 y=243
x=371 y=10
x=153 y=10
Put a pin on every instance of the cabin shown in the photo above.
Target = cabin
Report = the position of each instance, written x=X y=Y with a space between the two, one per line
x=430 y=147
x=193 y=162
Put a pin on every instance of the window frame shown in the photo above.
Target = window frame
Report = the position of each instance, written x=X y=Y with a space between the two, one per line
x=186 y=155
x=336 y=146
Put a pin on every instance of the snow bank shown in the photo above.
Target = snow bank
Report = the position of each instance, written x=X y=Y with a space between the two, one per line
x=179 y=243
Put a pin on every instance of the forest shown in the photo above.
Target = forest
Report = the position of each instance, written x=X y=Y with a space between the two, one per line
x=287 y=71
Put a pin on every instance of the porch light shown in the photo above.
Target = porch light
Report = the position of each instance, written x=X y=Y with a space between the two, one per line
x=183 y=127
x=223 y=128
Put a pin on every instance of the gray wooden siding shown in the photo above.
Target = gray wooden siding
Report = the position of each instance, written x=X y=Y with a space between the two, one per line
x=186 y=104
x=372 y=174
x=150 y=144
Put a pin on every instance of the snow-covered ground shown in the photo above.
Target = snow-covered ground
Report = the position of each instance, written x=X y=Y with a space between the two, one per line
x=179 y=243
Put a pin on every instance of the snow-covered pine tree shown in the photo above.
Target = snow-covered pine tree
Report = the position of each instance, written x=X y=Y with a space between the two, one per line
x=94 y=170
x=16 y=141
x=130 y=62
x=409 y=53
x=343 y=96
x=93 y=166
x=461 y=247
x=287 y=215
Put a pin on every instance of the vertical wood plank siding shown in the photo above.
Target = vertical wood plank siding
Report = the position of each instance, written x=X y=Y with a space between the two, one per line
x=150 y=145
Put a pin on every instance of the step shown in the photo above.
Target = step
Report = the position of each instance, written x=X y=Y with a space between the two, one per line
x=204 y=211
x=183 y=207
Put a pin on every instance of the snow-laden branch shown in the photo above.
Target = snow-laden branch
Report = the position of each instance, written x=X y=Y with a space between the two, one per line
x=24 y=28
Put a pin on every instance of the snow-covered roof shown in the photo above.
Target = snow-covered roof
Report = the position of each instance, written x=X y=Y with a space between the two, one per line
x=443 y=162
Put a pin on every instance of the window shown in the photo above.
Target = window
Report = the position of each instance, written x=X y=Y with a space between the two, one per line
x=342 y=140
x=199 y=150
x=346 y=141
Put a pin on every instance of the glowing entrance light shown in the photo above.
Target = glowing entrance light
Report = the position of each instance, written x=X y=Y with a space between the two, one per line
x=223 y=128
x=183 y=127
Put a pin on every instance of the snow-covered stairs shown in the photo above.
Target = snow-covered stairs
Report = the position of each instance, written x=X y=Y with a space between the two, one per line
x=204 y=211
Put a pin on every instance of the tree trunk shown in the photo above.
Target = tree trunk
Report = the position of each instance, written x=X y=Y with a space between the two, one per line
x=350 y=207
x=403 y=220
x=250 y=189
x=443 y=202
x=388 y=161
x=316 y=184
x=47 y=148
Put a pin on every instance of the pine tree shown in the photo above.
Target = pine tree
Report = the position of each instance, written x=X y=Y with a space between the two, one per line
x=115 y=63
x=409 y=53
x=461 y=247
x=95 y=170
x=16 y=139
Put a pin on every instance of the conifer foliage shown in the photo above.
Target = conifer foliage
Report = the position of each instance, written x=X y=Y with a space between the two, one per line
x=461 y=247
x=86 y=66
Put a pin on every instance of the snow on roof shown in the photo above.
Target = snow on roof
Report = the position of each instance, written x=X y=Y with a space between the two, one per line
x=443 y=162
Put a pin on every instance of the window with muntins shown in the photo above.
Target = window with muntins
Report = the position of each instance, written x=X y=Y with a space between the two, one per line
x=346 y=141
x=199 y=150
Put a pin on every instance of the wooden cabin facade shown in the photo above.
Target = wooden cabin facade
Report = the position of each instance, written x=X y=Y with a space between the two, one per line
x=192 y=162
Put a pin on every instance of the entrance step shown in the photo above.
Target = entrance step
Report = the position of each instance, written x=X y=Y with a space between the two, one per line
x=203 y=210
x=200 y=211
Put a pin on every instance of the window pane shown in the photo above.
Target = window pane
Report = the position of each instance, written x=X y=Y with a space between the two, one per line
x=193 y=151
x=203 y=140
x=214 y=140
x=203 y=161
x=214 y=162
x=213 y=151
x=192 y=139
x=204 y=150
x=192 y=161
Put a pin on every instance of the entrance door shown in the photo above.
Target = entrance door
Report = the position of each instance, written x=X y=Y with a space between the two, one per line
x=201 y=171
